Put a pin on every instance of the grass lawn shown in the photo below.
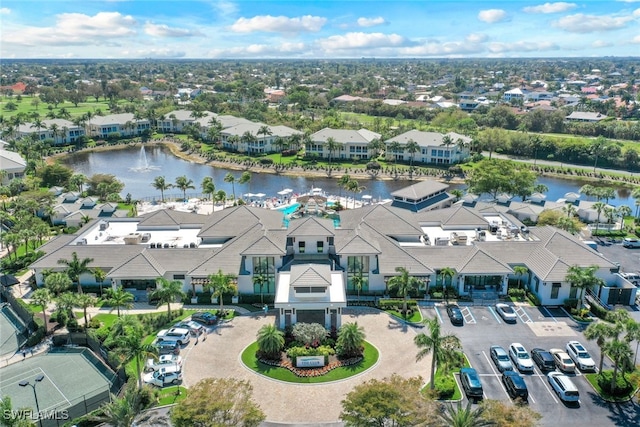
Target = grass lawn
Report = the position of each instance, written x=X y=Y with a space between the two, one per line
x=26 y=107
x=593 y=380
x=171 y=395
x=106 y=319
x=249 y=359
x=416 y=316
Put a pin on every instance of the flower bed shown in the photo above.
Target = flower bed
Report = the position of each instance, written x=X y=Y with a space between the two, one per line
x=311 y=372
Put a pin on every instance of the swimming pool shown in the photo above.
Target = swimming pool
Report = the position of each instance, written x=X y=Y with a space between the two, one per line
x=288 y=210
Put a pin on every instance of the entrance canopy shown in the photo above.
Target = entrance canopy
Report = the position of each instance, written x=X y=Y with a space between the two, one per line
x=310 y=286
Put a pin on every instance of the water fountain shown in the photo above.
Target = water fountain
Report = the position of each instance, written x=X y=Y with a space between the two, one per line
x=143 y=164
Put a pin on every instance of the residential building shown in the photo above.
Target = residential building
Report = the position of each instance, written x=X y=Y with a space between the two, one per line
x=354 y=144
x=234 y=137
x=585 y=116
x=434 y=147
x=12 y=164
x=61 y=131
x=124 y=124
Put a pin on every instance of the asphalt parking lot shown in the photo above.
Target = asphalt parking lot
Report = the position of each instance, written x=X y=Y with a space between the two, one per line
x=535 y=327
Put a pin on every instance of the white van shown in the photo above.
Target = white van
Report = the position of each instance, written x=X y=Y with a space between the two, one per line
x=630 y=242
x=562 y=384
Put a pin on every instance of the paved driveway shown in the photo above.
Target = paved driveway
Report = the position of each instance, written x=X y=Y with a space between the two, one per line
x=219 y=356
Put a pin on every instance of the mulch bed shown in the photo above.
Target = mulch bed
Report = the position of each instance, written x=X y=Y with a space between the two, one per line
x=334 y=363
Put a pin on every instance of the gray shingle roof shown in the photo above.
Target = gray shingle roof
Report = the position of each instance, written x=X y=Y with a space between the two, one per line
x=363 y=136
x=310 y=275
x=420 y=189
x=311 y=226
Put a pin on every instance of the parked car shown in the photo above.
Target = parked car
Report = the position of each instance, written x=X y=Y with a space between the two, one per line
x=162 y=362
x=515 y=385
x=507 y=312
x=580 y=356
x=167 y=347
x=195 y=328
x=563 y=361
x=179 y=335
x=520 y=357
x=543 y=359
x=455 y=315
x=164 y=376
x=204 y=317
x=501 y=358
x=630 y=242
x=564 y=387
x=471 y=383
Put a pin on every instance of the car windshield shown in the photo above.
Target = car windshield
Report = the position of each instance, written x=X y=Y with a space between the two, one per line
x=503 y=357
x=507 y=309
x=523 y=355
x=566 y=360
x=584 y=355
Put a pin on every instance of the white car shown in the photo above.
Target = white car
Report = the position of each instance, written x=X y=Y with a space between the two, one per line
x=506 y=312
x=162 y=362
x=168 y=375
x=179 y=335
x=580 y=356
x=562 y=384
x=196 y=328
x=562 y=359
x=520 y=357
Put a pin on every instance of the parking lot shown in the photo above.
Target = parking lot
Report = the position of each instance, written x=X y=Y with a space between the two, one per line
x=535 y=327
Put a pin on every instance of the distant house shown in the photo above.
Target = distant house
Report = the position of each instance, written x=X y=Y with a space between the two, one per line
x=354 y=143
x=233 y=137
x=125 y=124
x=585 y=116
x=61 y=131
x=432 y=147
x=514 y=94
x=12 y=164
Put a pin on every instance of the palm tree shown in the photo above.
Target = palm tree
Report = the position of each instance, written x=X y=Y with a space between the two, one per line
x=270 y=342
x=633 y=334
x=183 y=183
x=619 y=352
x=221 y=197
x=600 y=331
x=118 y=297
x=355 y=188
x=405 y=284
x=131 y=347
x=395 y=148
x=358 y=282
x=582 y=278
x=85 y=301
x=412 y=148
x=520 y=271
x=229 y=177
x=260 y=278
x=208 y=187
x=442 y=348
x=221 y=284
x=280 y=144
x=457 y=416
x=42 y=297
x=376 y=145
x=99 y=275
x=332 y=146
x=350 y=340
x=596 y=147
x=343 y=181
x=57 y=283
x=570 y=210
x=636 y=195
x=76 y=267
x=444 y=273
x=166 y=292
x=234 y=140
x=77 y=180
x=121 y=412
x=245 y=178
x=159 y=183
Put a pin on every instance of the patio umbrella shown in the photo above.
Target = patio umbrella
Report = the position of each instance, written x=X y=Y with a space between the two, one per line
x=367 y=196
x=8 y=280
x=249 y=195
x=260 y=195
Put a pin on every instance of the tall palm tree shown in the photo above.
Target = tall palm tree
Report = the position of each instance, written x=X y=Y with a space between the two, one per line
x=332 y=146
x=166 y=292
x=208 y=187
x=395 y=148
x=600 y=332
x=520 y=271
x=354 y=187
x=457 y=416
x=350 y=340
x=582 y=278
x=444 y=273
x=412 y=148
x=596 y=148
x=405 y=284
x=84 y=301
x=280 y=144
x=221 y=284
x=245 y=178
x=221 y=196
x=76 y=267
x=183 y=184
x=118 y=297
x=229 y=177
x=121 y=412
x=442 y=348
x=131 y=347
x=43 y=298
x=99 y=275
x=159 y=183
x=619 y=352
x=57 y=282
x=376 y=145
x=265 y=131
x=270 y=342
x=78 y=180
x=632 y=328
x=343 y=181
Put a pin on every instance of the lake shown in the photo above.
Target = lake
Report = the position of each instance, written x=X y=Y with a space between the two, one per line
x=137 y=168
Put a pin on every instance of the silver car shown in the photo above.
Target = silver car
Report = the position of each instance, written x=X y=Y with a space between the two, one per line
x=501 y=358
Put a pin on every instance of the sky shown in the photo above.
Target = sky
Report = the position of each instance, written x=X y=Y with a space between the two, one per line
x=317 y=29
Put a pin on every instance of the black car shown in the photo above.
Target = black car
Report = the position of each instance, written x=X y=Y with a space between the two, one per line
x=543 y=359
x=471 y=383
x=204 y=317
x=455 y=315
x=515 y=385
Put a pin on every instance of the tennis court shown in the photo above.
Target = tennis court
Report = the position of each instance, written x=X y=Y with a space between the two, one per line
x=74 y=381
x=11 y=331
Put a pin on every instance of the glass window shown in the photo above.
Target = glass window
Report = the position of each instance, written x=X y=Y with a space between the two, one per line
x=573 y=292
x=264 y=275
x=357 y=274
x=434 y=152
x=555 y=290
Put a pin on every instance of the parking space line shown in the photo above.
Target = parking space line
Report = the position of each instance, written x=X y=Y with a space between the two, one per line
x=543 y=379
x=465 y=311
x=549 y=314
x=495 y=374
x=438 y=313
x=494 y=314
x=522 y=314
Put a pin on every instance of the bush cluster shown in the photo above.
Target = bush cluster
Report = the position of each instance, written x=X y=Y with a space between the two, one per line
x=394 y=304
x=445 y=387
x=623 y=387
x=322 y=350
x=599 y=311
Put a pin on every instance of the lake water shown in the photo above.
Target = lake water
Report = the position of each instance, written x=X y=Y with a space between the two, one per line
x=137 y=169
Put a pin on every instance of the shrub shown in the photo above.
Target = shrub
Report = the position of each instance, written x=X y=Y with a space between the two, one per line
x=389 y=304
x=516 y=293
x=373 y=166
x=623 y=387
x=571 y=303
x=599 y=311
x=309 y=333
x=533 y=298
x=266 y=161
x=445 y=387
x=35 y=337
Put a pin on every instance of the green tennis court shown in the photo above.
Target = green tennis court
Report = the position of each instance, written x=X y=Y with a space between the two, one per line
x=74 y=381
x=11 y=329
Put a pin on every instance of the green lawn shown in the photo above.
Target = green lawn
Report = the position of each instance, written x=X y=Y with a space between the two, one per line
x=171 y=395
x=106 y=319
x=416 y=316
x=457 y=394
x=26 y=107
x=593 y=380
x=249 y=359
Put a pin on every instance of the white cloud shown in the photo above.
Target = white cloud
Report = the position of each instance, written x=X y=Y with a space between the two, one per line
x=279 y=24
x=162 y=30
x=362 y=41
x=476 y=38
x=556 y=7
x=581 y=23
x=636 y=40
x=225 y=8
x=371 y=22
x=5 y=11
x=601 y=43
x=521 y=46
x=458 y=48
x=155 y=53
x=491 y=16
x=260 y=50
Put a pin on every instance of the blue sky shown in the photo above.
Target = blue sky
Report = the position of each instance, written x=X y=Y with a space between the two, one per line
x=317 y=29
